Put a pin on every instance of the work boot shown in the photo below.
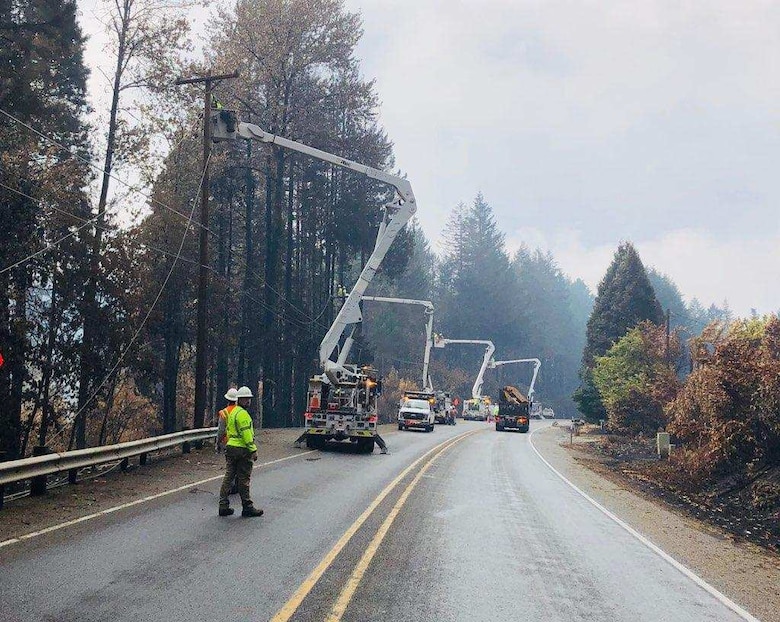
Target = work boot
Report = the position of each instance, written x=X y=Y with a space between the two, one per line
x=226 y=511
x=251 y=511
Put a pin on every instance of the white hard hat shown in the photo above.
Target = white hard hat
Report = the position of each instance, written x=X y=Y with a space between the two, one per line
x=244 y=392
x=231 y=395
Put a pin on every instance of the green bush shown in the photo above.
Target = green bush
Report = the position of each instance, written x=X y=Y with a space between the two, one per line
x=636 y=381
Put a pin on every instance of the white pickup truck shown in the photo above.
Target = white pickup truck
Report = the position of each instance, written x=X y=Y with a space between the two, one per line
x=415 y=414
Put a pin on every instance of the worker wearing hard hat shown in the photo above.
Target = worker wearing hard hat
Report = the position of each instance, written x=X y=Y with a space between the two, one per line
x=240 y=452
x=221 y=440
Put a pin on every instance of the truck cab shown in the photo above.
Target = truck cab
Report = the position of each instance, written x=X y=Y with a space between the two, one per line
x=415 y=412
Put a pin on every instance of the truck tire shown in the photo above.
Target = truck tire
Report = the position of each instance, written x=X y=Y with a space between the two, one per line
x=429 y=428
x=366 y=445
x=499 y=428
x=400 y=426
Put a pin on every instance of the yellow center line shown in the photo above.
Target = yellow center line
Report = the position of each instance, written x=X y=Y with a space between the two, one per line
x=291 y=606
x=348 y=592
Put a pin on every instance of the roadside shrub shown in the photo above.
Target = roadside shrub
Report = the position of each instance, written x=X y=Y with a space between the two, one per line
x=636 y=381
x=728 y=412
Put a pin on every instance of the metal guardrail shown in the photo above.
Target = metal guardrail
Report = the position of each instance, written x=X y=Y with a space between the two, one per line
x=72 y=461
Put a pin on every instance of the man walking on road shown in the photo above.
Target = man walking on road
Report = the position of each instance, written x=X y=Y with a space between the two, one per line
x=240 y=453
x=221 y=440
x=231 y=396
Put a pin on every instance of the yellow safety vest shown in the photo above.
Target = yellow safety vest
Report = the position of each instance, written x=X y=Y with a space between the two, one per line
x=240 y=430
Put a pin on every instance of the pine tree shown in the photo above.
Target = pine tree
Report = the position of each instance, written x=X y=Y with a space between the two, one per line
x=625 y=298
x=42 y=83
x=669 y=297
x=475 y=296
x=548 y=322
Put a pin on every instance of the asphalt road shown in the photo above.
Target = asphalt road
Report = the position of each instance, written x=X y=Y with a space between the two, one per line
x=479 y=530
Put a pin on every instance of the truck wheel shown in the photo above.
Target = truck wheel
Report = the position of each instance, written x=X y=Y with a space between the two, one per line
x=313 y=442
x=429 y=428
x=400 y=426
x=499 y=428
x=366 y=445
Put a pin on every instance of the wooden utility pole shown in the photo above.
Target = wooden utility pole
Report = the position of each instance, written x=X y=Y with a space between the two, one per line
x=668 y=335
x=201 y=337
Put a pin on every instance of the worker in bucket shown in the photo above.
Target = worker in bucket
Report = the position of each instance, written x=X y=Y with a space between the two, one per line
x=240 y=453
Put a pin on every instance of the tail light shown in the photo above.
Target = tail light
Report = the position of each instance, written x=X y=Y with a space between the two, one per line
x=308 y=416
x=372 y=419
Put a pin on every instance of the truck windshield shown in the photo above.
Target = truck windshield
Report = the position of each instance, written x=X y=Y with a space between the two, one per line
x=417 y=404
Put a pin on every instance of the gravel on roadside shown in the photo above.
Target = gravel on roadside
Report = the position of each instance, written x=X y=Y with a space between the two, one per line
x=744 y=572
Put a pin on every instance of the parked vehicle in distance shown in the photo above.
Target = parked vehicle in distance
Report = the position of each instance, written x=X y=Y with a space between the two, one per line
x=512 y=410
x=415 y=414
x=442 y=406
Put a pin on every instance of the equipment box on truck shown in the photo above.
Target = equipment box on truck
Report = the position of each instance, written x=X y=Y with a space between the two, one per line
x=512 y=410
x=346 y=413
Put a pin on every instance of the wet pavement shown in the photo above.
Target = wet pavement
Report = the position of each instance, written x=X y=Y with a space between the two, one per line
x=486 y=532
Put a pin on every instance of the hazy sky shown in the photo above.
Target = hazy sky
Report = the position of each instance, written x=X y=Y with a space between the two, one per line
x=588 y=123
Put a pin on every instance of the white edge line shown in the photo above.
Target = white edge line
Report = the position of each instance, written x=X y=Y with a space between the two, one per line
x=82 y=519
x=725 y=600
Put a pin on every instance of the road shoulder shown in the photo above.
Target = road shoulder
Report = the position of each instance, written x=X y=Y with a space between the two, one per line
x=163 y=472
x=744 y=572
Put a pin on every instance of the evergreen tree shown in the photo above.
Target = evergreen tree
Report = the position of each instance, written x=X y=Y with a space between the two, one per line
x=669 y=297
x=547 y=323
x=625 y=298
x=43 y=84
x=475 y=294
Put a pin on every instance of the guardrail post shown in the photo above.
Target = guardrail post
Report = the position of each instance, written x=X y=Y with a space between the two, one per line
x=2 y=494
x=185 y=446
x=142 y=459
x=72 y=473
x=38 y=484
x=124 y=464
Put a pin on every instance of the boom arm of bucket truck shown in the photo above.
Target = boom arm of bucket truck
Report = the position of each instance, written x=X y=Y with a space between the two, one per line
x=426 y=379
x=537 y=364
x=476 y=390
x=225 y=126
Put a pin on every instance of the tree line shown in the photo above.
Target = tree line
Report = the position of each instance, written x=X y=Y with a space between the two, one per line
x=97 y=328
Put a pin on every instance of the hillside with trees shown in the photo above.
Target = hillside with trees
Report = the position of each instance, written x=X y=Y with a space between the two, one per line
x=97 y=329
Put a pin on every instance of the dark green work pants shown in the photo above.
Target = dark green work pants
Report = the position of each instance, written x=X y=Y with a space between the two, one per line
x=238 y=465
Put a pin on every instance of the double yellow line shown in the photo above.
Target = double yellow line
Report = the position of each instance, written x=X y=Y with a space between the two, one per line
x=348 y=591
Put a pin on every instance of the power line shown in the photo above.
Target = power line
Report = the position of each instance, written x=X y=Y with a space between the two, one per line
x=51 y=244
x=89 y=163
x=152 y=306
x=151 y=199
x=85 y=221
x=301 y=323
